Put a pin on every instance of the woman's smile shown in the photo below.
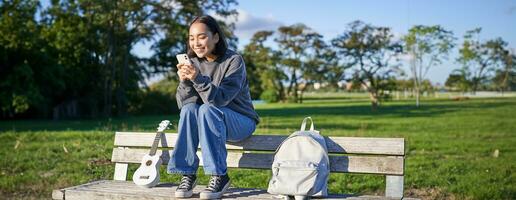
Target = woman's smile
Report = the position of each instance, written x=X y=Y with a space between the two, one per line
x=202 y=41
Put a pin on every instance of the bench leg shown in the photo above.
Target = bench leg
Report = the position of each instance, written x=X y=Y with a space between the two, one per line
x=394 y=186
x=120 y=172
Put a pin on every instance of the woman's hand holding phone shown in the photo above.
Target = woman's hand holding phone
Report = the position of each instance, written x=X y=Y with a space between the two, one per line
x=180 y=72
x=185 y=68
x=187 y=72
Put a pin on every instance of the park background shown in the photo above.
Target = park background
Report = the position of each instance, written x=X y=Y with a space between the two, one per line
x=439 y=74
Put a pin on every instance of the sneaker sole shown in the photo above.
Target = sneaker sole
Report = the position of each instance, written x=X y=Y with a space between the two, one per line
x=186 y=194
x=214 y=195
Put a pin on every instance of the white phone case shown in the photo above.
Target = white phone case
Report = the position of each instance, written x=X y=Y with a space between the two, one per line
x=183 y=59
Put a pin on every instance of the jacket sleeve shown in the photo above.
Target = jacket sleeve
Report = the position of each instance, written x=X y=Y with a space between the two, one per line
x=186 y=94
x=230 y=86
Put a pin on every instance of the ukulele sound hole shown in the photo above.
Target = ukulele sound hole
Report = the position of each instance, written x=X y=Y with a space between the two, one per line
x=148 y=163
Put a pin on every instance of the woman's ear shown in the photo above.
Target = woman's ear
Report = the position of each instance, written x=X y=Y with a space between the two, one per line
x=216 y=38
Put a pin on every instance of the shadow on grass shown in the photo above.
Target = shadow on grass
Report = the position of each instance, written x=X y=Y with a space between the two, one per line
x=288 y=126
x=344 y=107
x=334 y=115
x=333 y=98
x=133 y=123
x=403 y=110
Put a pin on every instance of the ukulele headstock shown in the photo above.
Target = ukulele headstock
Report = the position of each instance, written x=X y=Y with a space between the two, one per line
x=163 y=125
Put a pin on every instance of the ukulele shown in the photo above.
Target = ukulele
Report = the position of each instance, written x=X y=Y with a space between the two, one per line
x=147 y=175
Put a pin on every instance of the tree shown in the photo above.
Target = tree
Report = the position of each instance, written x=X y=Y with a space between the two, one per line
x=505 y=79
x=322 y=66
x=371 y=49
x=427 y=46
x=171 y=30
x=295 y=42
x=98 y=38
x=480 y=58
x=317 y=65
x=334 y=71
x=25 y=62
x=78 y=56
x=257 y=58
x=314 y=62
x=458 y=80
x=126 y=23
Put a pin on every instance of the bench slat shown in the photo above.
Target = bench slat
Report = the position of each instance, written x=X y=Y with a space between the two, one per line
x=127 y=190
x=351 y=145
x=390 y=165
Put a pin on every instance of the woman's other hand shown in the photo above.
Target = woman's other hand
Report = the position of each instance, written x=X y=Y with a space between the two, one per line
x=180 y=72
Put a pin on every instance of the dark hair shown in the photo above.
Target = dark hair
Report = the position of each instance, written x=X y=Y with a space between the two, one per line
x=211 y=23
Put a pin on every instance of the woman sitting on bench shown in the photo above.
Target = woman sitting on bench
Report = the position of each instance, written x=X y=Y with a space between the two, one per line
x=213 y=95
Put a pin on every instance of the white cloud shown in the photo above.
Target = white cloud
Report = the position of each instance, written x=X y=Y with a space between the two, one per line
x=248 y=24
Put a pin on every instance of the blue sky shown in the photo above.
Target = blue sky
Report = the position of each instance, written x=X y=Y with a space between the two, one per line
x=497 y=18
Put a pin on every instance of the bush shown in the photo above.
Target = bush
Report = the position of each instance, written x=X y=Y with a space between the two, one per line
x=159 y=99
x=154 y=103
x=269 y=96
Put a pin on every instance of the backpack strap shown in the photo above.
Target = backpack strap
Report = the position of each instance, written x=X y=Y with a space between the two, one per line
x=303 y=125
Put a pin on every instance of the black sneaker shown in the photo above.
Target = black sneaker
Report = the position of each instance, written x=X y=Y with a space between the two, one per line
x=185 y=188
x=216 y=188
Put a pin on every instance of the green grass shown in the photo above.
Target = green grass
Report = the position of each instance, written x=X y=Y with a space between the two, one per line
x=450 y=146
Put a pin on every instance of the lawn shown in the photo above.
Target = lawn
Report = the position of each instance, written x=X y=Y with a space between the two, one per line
x=450 y=146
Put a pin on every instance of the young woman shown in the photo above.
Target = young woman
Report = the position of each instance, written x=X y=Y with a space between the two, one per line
x=213 y=95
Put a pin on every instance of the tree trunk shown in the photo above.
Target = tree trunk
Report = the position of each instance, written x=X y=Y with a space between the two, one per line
x=121 y=96
x=417 y=95
x=475 y=84
x=108 y=103
x=476 y=80
x=417 y=77
x=374 y=100
x=281 y=89
x=292 y=88
x=302 y=91
x=373 y=95
x=506 y=77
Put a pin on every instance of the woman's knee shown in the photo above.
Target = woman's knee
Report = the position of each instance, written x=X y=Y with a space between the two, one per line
x=208 y=110
x=188 y=109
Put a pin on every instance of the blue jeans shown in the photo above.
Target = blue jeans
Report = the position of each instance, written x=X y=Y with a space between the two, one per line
x=211 y=127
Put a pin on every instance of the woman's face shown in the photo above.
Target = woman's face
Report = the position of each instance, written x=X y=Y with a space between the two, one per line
x=201 y=40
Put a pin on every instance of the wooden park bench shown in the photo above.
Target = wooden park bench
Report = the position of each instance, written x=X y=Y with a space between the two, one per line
x=383 y=156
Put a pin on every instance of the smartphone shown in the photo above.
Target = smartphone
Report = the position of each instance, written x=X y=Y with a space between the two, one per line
x=183 y=59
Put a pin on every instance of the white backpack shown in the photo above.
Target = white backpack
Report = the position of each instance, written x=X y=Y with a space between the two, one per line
x=301 y=166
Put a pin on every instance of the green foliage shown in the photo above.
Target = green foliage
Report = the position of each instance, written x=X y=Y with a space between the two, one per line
x=263 y=70
x=505 y=79
x=154 y=103
x=258 y=61
x=481 y=58
x=302 y=59
x=158 y=100
x=298 y=44
x=369 y=50
x=77 y=55
x=427 y=46
x=458 y=80
x=22 y=53
x=270 y=96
